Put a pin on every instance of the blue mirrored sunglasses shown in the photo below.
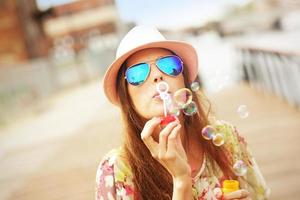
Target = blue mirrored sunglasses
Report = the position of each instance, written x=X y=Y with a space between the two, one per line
x=137 y=74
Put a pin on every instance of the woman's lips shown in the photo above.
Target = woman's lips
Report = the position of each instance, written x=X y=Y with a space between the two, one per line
x=156 y=97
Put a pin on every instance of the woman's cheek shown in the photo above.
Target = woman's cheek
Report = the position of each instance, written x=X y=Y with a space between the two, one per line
x=147 y=107
x=140 y=104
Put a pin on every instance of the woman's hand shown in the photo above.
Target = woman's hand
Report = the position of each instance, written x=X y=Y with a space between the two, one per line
x=239 y=194
x=169 y=151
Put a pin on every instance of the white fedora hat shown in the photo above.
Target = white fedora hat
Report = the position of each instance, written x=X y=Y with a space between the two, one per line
x=143 y=37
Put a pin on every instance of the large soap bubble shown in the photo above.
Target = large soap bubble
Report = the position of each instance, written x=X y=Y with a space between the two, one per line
x=218 y=139
x=190 y=109
x=208 y=132
x=183 y=97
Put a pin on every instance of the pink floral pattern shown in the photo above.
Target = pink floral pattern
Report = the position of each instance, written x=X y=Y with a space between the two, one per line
x=114 y=178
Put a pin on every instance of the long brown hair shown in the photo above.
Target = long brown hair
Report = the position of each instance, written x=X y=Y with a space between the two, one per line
x=151 y=180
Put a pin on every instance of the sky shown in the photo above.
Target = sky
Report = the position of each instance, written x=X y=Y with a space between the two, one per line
x=173 y=14
x=170 y=14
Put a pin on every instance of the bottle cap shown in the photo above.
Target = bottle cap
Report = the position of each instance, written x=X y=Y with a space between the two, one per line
x=230 y=186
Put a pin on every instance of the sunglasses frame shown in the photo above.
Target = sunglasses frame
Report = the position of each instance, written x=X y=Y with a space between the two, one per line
x=155 y=62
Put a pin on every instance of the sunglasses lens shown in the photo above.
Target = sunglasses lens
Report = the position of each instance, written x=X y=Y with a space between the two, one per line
x=137 y=74
x=171 y=65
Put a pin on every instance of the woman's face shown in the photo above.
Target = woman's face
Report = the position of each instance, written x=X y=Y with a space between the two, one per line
x=143 y=96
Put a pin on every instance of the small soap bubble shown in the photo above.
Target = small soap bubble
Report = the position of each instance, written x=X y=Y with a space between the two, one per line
x=195 y=86
x=183 y=97
x=208 y=132
x=243 y=111
x=218 y=139
x=240 y=168
x=190 y=109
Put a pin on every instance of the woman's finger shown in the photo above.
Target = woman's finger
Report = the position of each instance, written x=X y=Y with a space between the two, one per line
x=239 y=194
x=172 y=139
x=147 y=131
x=179 y=144
x=163 y=138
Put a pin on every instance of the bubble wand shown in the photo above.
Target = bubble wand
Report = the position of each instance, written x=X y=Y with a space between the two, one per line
x=162 y=88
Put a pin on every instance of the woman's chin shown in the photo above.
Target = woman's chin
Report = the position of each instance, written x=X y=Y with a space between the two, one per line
x=159 y=114
x=155 y=111
x=158 y=109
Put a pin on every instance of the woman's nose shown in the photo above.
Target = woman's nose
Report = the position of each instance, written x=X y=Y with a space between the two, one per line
x=156 y=74
x=157 y=79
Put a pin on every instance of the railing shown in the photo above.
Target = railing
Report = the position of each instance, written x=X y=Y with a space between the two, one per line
x=272 y=71
x=22 y=84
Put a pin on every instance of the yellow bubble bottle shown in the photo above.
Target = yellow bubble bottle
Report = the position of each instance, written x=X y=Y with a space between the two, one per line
x=230 y=186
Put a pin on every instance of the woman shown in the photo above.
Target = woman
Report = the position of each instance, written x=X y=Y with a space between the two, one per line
x=175 y=161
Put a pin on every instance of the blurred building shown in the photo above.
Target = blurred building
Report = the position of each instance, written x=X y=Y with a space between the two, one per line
x=76 y=22
x=257 y=15
x=27 y=32
x=21 y=35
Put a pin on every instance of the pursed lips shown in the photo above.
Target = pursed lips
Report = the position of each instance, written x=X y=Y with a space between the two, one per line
x=156 y=95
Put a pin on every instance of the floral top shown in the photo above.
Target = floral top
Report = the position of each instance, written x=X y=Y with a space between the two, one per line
x=114 y=178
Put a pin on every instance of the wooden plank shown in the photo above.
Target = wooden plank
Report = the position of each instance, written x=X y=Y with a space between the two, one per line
x=272 y=131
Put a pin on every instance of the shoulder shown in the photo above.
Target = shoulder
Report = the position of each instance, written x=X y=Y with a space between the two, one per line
x=114 y=163
x=113 y=176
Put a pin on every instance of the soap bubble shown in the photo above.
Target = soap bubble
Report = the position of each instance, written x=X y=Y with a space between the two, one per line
x=195 y=86
x=183 y=97
x=208 y=132
x=240 y=168
x=243 y=111
x=218 y=139
x=190 y=109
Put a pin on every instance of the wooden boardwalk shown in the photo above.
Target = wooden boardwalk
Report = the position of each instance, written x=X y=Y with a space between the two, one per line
x=65 y=167
x=273 y=133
